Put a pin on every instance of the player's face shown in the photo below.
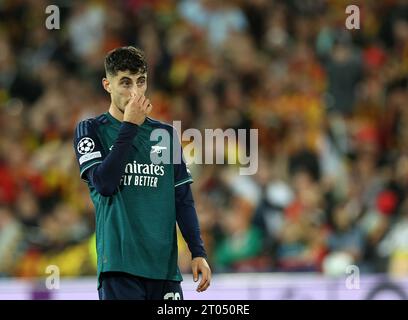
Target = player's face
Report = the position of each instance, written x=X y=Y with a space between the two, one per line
x=123 y=85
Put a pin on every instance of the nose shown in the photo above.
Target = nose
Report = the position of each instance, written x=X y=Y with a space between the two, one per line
x=136 y=92
x=131 y=92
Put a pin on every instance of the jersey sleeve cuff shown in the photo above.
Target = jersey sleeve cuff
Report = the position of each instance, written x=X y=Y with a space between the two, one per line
x=199 y=255
x=187 y=180
x=83 y=170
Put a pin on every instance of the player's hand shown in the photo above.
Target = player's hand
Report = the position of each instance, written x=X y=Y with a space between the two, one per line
x=200 y=265
x=137 y=109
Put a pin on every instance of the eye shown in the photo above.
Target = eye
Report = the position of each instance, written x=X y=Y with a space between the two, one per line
x=141 y=82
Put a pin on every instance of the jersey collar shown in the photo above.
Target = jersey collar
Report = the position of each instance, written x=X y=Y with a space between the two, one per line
x=116 y=123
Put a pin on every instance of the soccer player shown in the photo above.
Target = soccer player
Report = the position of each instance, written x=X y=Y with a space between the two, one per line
x=137 y=201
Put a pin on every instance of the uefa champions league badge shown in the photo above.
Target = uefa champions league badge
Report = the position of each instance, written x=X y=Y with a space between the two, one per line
x=85 y=145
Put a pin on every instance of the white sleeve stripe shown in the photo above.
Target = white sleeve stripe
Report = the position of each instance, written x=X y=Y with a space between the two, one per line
x=183 y=182
x=89 y=156
x=89 y=166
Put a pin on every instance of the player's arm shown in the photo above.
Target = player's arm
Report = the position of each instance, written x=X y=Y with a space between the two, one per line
x=187 y=220
x=186 y=215
x=88 y=148
x=93 y=161
x=105 y=175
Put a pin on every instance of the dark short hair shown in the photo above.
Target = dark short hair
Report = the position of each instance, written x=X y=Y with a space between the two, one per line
x=125 y=58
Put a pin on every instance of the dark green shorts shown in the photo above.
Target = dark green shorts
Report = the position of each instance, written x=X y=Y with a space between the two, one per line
x=124 y=286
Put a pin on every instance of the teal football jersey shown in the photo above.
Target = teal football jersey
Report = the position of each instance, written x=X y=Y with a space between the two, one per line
x=136 y=226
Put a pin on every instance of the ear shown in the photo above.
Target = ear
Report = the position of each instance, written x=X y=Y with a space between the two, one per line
x=106 y=85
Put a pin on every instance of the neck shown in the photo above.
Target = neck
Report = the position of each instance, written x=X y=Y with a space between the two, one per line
x=115 y=112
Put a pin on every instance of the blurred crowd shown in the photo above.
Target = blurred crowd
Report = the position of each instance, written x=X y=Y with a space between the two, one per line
x=328 y=103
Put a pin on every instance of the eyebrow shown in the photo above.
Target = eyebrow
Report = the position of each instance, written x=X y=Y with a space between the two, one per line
x=124 y=78
x=127 y=78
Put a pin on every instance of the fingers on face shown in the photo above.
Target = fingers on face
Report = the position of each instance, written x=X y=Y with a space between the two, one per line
x=146 y=103
x=131 y=100
x=140 y=99
x=142 y=102
x=147 y=106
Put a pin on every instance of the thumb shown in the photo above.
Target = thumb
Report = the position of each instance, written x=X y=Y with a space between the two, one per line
x=195 y=272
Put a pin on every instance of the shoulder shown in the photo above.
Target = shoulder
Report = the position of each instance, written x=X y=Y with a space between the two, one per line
x=93 y=122
x=161 y=125
x=89 y=125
